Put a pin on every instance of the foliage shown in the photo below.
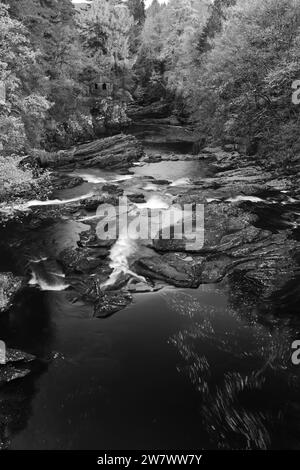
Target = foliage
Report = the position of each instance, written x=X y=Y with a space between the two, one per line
x=104 y=32
x=137 y=11
x=17 y=182
x=168 y=44
x=52 y=34
x=228 y=63
x=245 y=85
x=25 y=106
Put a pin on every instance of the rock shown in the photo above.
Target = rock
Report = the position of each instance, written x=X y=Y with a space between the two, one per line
x=138 y=198
x=220 y=220
x=247 y=181
x=10 y=373
x=109 y=303
x=113 y=189
x=125 y=171
x=119 y=151
x=91 y=204
x=10 y=285
x=83 y=260
x=280 y=184
x=139 y=287
x=233 y=246
x=249 y=174
x=176 y=269
x=60 y=181
x=15 y=356
x=212 y=150
x=159 y=109
x=268 y=264
x=15 y=366
x=152 y=158
x=89 y=239
x=161 y=182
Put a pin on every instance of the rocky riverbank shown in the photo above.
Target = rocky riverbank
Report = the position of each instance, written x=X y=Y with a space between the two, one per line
x=251 y=231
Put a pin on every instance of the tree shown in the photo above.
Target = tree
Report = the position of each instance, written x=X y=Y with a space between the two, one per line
x=168 y=44
x=45 y=20
x=104 y=32
x=184 y=20
x=137 y=11
x=245 y=85
x=22 y=113
x=217 y=16
x=154 y=9
x=55 y=38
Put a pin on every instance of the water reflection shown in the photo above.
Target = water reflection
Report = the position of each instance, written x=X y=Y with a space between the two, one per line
x=177 y=369
x=177 y=171
x=26 y=327
x=241 y=370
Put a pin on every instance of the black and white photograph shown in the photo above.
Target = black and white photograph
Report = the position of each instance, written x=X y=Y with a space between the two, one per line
x=149 y=231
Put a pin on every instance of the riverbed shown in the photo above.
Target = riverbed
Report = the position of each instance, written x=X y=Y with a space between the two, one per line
x=179 y=368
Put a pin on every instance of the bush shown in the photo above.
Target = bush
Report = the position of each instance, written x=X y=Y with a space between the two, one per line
x=244 y=85
x=18 y=182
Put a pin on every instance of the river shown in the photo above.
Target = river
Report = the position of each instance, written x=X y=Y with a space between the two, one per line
x=177 y=369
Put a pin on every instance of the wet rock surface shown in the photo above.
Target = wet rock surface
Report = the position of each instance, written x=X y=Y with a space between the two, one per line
x=137 y=198
x=15 y=401
x=10 y=285
x=92 y=203
x=65 y=181
x=250 y=251
x=16 y=365
x=176 y=269
x=111 y=152
x=237 y=241
x=158 y=109
x=108 y=303
x=82 y=261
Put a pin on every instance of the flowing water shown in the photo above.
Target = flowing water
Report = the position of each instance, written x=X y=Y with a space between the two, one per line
x=177 y=369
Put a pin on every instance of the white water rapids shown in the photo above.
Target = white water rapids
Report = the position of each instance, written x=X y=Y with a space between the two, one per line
x=125 y=247
x=47 y=275
x=57 y=202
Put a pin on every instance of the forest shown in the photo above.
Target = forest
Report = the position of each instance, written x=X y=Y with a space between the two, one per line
x=225 y=67
x=177 y=122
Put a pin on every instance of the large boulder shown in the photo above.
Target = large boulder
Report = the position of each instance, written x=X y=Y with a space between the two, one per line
x=92 y=203
x=233 y=246
x=16 y=365
x=119 y=151
x=177 y=269
x=84 y=260
x=108 y=303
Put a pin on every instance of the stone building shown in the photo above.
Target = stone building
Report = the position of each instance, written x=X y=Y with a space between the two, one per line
x=102 y=86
